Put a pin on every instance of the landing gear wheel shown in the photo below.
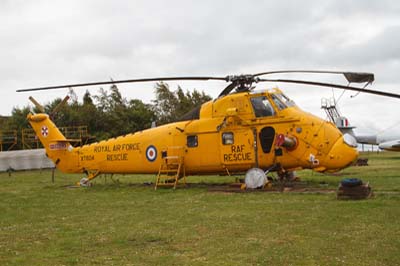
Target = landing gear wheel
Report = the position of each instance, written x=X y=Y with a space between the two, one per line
x=255 y=178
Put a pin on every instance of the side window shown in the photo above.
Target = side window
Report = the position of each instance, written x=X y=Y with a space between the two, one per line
x=262 y=106
x=227 y=138
x=192 y=141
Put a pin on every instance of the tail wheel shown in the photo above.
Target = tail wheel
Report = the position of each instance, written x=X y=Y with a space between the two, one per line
x=85 y=182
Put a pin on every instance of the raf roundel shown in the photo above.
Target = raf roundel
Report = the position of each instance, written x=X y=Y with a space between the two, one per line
x=151 y=153
x=45 y=131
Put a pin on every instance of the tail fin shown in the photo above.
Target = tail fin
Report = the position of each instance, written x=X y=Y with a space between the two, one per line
x=58 y=148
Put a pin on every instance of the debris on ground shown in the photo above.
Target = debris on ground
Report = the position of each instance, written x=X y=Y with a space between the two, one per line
x=361 y=162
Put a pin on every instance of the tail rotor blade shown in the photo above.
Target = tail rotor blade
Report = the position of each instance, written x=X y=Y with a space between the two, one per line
x=59 y=106
x=37 y=105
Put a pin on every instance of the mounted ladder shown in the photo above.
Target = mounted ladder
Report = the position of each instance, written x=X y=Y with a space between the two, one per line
x=341 y=122
x=172 y=167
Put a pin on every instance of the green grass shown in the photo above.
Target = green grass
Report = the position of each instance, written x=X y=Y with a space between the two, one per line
x=125 y=223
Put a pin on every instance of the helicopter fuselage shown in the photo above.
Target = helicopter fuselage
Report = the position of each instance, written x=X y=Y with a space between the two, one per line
x=230 y=134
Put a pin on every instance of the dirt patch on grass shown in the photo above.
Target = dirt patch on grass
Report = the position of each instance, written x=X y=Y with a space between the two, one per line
x=296 y=187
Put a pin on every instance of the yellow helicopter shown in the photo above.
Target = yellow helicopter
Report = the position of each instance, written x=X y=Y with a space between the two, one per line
x=242 y=130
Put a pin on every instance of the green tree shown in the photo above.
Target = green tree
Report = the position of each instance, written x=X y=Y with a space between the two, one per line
x=140 y=115
x=118 y=116
x=90 y=114
x=108 y=114
x=165 y=103
x=17 y=121
x=87 y=98
x=169 y=106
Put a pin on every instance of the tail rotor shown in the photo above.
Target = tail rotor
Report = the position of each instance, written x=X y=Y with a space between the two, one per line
x=55 y=110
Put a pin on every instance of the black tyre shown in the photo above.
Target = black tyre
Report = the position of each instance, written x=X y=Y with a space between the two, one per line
x=351 y=182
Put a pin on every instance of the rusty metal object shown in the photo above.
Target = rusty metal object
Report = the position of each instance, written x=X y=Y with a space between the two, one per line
x=354 y=192
x=287 y=142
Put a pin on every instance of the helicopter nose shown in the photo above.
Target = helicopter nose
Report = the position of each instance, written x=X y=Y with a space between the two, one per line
x=342 y=154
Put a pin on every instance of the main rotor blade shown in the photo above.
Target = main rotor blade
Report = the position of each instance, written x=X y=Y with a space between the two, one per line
x=330 y=85
x=359 y=77
x=228 y=89
x=353 y=77
x=120 y=81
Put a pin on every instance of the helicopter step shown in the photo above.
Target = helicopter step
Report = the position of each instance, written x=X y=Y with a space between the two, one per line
x=172 y=168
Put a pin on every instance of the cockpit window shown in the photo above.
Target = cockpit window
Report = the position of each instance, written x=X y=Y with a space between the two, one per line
x=262 y=106
x=285 y=99
x=278 y=102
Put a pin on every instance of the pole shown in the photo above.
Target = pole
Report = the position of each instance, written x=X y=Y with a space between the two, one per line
x=52 y=175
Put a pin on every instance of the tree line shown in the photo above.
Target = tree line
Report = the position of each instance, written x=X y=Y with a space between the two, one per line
x=108 y=114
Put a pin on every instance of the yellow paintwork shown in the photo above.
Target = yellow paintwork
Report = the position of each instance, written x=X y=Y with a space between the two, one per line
x=319 y=144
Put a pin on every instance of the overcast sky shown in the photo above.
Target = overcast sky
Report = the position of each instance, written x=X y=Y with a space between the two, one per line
x=56 y=42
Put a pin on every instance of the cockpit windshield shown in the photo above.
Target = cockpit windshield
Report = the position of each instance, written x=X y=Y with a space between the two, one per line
x=278 y=103
x=283 y=99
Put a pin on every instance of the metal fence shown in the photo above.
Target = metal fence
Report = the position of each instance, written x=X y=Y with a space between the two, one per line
x=27 y=139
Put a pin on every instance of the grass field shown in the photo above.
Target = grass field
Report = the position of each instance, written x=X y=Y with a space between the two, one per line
x=126 y=223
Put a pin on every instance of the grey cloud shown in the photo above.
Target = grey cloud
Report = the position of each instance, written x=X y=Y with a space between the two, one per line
x=51 y=42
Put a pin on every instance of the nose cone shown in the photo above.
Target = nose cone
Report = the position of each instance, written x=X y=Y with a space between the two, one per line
x=342 y=154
